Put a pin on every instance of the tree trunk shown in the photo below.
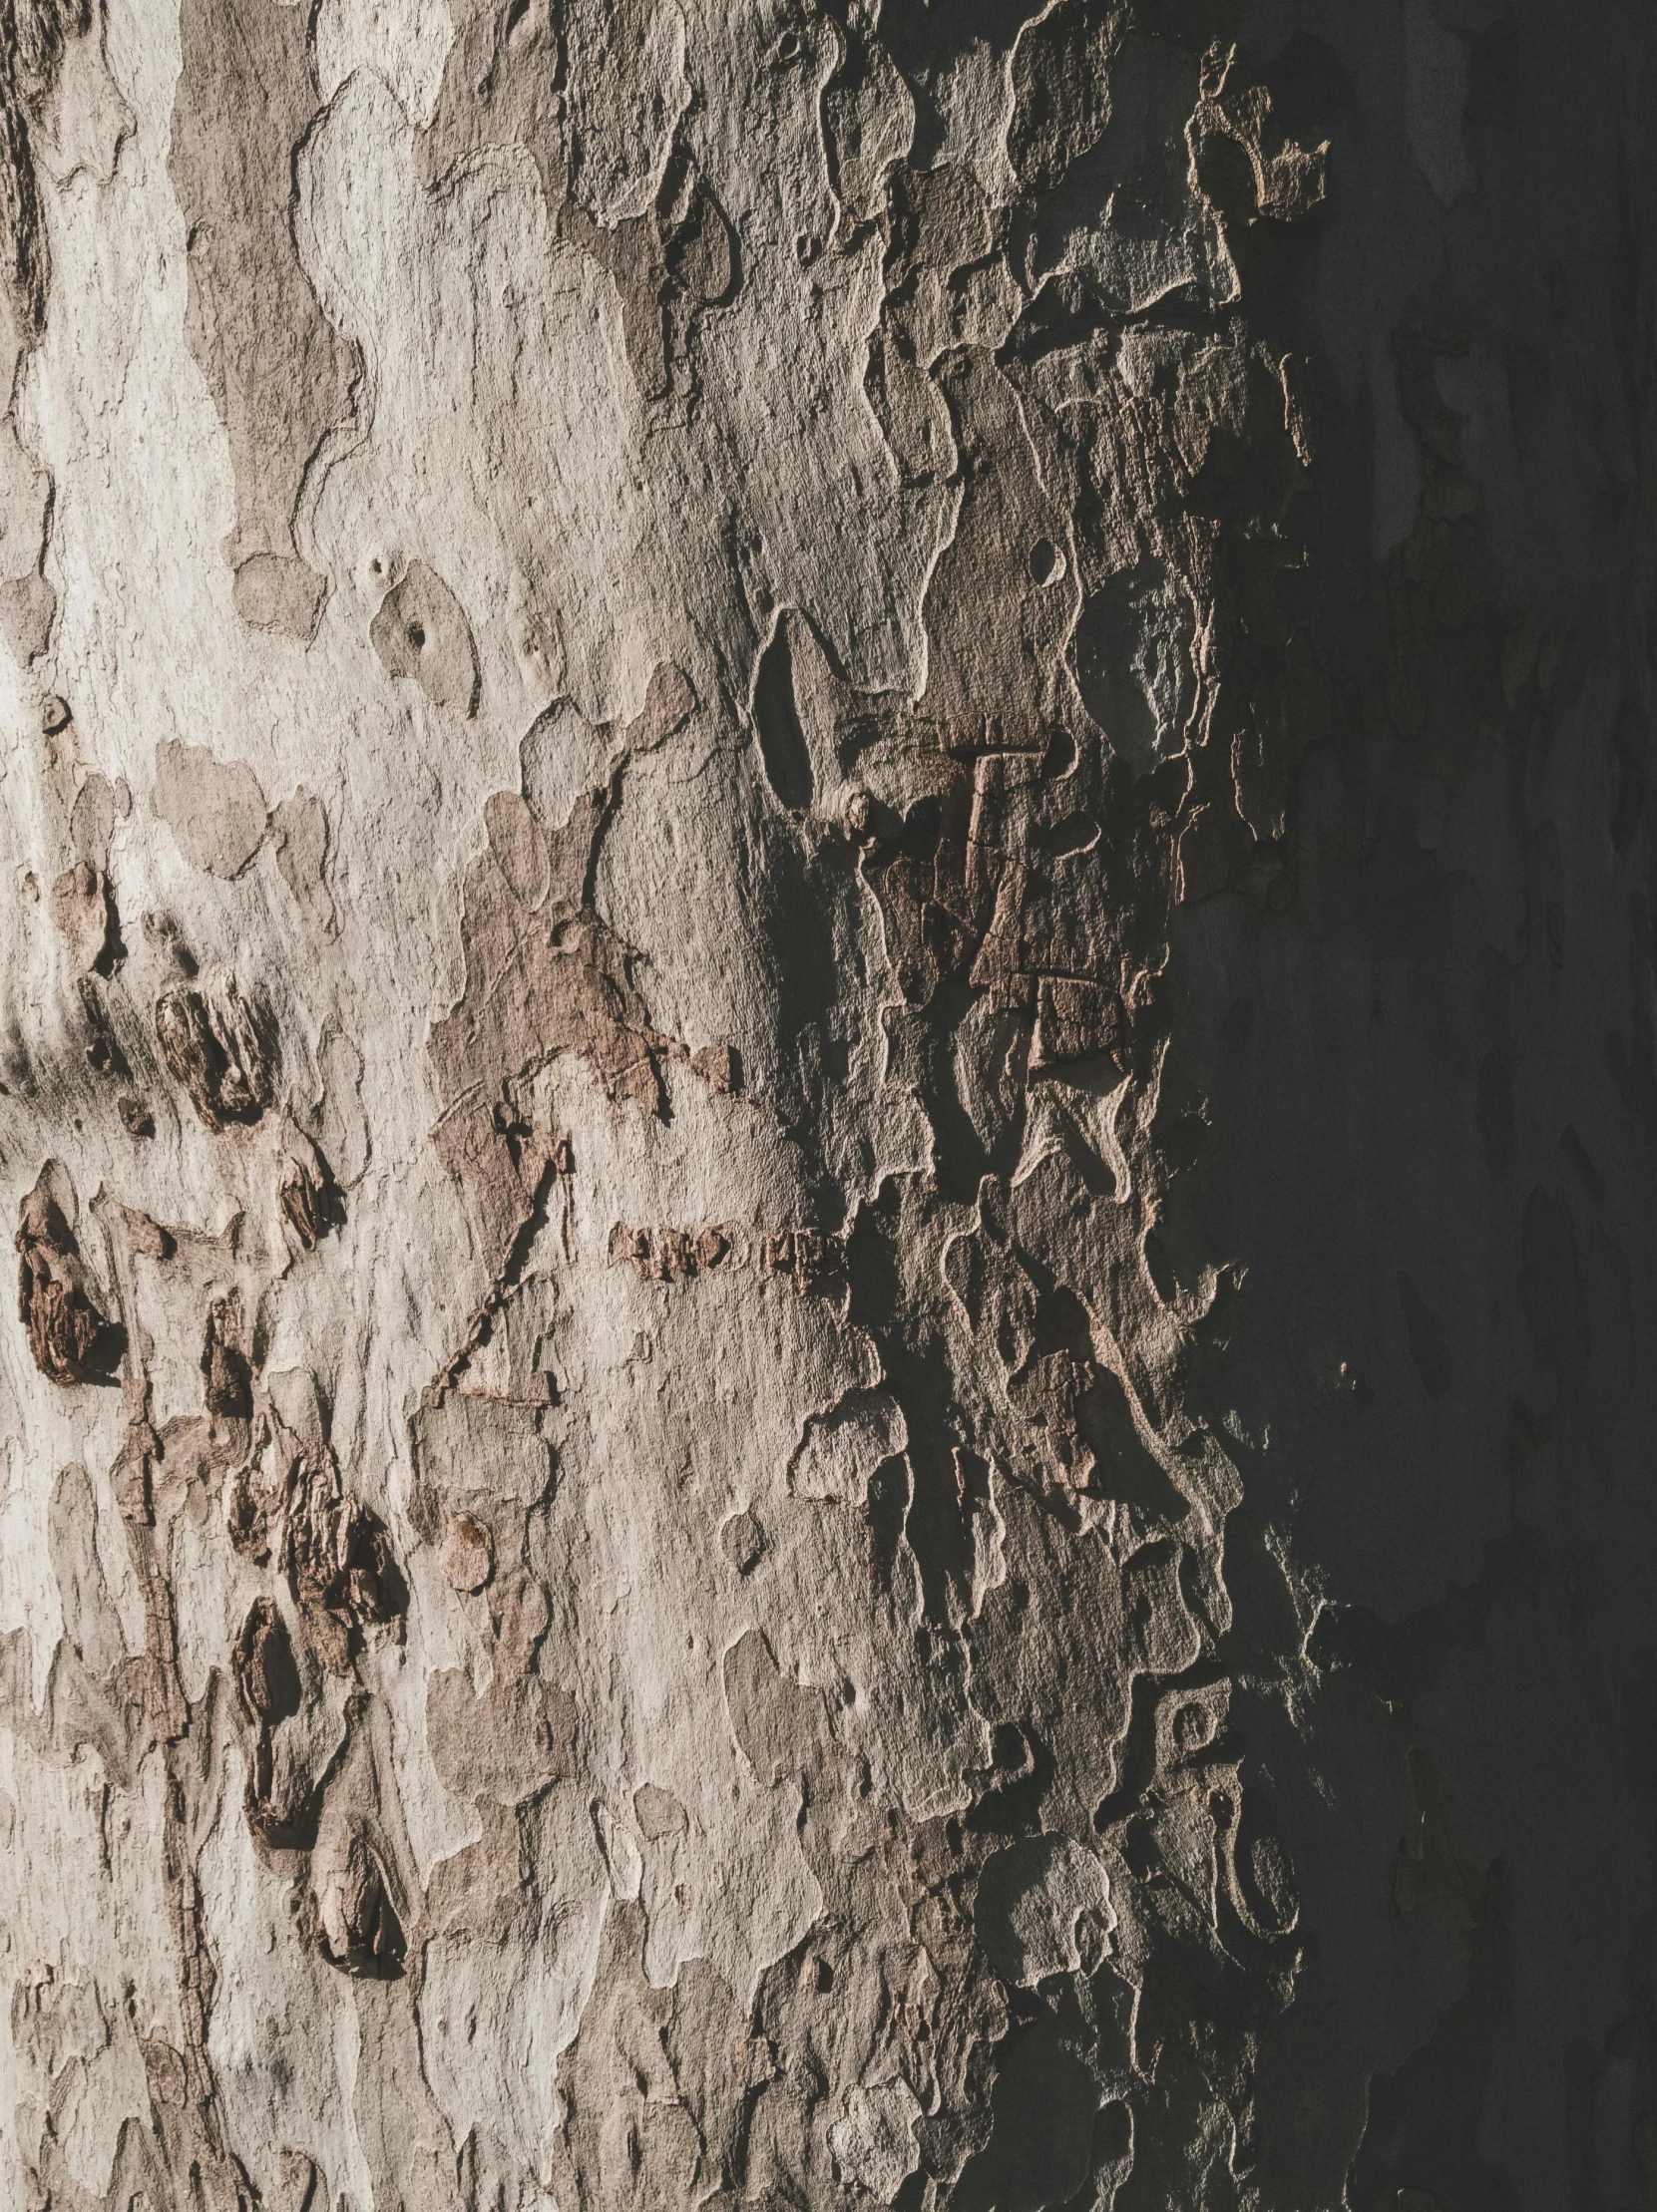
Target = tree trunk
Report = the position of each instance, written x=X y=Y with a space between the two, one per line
x=827 y=1070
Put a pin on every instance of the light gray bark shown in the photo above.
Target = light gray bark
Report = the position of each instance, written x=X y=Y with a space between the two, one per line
x=826 y=1070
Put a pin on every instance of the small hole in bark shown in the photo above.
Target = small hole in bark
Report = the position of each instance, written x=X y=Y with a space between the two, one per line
x=1112 y=2133
x=783 y=750
x=788 y=46
x=1046 y=562
x=417 y=634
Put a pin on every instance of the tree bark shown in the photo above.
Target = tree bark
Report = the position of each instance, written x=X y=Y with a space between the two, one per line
x=827 y=1074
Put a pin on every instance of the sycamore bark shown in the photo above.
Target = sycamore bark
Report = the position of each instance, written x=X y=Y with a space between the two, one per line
x=827 y=1085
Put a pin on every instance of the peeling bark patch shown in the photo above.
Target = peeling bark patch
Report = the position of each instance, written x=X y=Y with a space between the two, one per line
x=27 y=602
x=777 y=1723
x=360 y=1932
x=309 y=1198
x=500 y=88
x=337 y=1557
x=70 y=1337
x=31 y=61
x=1039 y=1904
x=226 y=1375
x=743 y=1542
x=221 y=1053
x=268 y=1687
x=28 y=606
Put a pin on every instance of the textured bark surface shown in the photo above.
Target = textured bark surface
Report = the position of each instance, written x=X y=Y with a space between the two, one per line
x=827 y=1083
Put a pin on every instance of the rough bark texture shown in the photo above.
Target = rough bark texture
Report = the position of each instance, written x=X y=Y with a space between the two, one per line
x=827 y=1073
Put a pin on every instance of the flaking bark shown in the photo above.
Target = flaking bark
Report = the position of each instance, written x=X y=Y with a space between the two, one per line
x=826 y=1064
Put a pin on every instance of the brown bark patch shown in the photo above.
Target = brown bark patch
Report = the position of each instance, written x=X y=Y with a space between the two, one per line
x=84 y=917
x=223 y=1055
x=70 y=1337
x=421 y=631
x=359 y=1931
x=226 y=1375
x=279 y=374
x=505 y=1745
x=468 y=1553
x=337 y=1555
x=299 y=832
x=306 y=1192
x=214 y=808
